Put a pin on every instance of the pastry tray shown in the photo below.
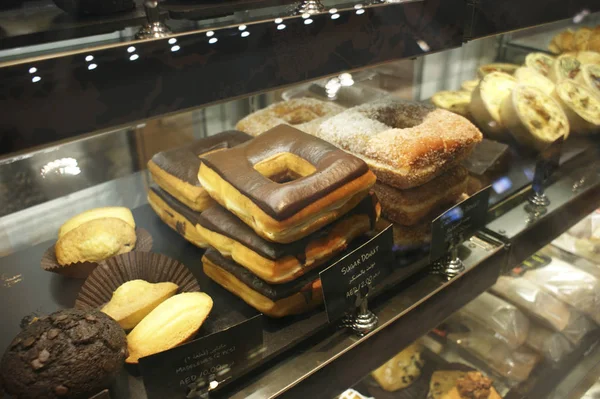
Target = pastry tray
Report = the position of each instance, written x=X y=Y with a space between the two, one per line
x=27 y=291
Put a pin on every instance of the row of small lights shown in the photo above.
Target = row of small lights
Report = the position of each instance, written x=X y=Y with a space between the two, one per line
x=175 y=47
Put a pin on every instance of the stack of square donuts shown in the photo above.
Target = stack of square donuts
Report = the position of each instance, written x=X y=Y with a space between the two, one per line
x=273 y=211
x=414 y=149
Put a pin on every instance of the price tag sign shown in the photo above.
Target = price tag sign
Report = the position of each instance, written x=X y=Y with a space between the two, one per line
x=188 y=370
x=458 y=223
x=360 y=270
x=546 y=164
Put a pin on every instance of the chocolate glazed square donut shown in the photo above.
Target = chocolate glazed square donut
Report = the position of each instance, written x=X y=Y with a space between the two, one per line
x=285 y=183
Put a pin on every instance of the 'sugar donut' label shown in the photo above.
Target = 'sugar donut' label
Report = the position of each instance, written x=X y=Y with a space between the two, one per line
x=356 y=273
x=193 y=369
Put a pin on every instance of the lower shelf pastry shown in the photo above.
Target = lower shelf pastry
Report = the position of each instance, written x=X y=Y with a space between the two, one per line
x=176 y=215
x=401 y=370
x=453 y=101
x=581 y=106
x=132 y=301
x=170 y=324
x=117 y=212
x=275 y=300
x=409 y=207
x=533 y=118
x=69 y=354
x=302 y=113
x=279 y=263
x=486 y=101
x=176 y=170
x=405 y=143
x=461 y=385
x=286 y=184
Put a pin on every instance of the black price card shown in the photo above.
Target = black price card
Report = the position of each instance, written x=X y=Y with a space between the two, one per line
x=546 y=164
x=458 y=223
x=188 y=370
x=356 y=273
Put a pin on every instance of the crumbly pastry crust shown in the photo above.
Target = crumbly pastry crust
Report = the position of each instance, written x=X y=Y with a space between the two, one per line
x=540 y=62
x=567 y=66
x=284 y=262
x=409 y=207
x=302 y=113
x=406 y=144
x=330 y=183
x=117 y=212
x=95 y=240
x=590 y=77
x=296 y=303
x=174 y=219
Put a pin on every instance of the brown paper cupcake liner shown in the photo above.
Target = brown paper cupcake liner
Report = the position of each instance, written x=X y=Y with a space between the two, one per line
x=113 y=272
x=83 y=269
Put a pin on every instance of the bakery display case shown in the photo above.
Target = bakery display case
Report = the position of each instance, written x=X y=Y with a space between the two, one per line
x=275 y=199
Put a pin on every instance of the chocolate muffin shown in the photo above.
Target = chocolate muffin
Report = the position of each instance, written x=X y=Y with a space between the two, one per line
x=70 y=354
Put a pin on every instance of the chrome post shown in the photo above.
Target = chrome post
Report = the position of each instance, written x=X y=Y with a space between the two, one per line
x=308 y=7
x=154 y=27
x=365 y=321
x=450 y=266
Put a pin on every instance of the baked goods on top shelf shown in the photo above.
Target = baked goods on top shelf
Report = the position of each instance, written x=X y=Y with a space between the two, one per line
x=176 y=215
x=454 y=101
x=401 y=370
x=176 y=170
x=581 y=106
x=405 y=143
x=173 y=322
x=461 y=385
x=302 y=113
x=55 y=356
x=286 y=184
x=533 y=118
x=531 y=77
x=279 y=263
x=485 y=70
x=582 y=39
x=566 y=66
x=95 y=240
x=540 y=62
x=486 y=101
x=274 y=300
x=590 y=77
x=409 y=207
x=133 y=300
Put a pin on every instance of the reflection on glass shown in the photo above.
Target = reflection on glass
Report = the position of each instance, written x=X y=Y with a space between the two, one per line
x=333 y=11
x=306 y=15
x=242 y=27
x=358 y=6
x=308 y=21
x=175 y=48
x=134 y=57
x=245 y=34
x=36 y=79
x=130 y=49
x=32 y=70
x=424 y=46
x=335 y=16
x=89 y=58
x=360 y=11
x=172 y=40
x=280 y=27
x=502 y=185
x=62 y=166
x=92 y=66
x=210 y=33
x=213 y=40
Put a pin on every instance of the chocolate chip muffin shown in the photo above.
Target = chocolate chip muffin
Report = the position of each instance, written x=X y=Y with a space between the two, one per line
x=70 y=354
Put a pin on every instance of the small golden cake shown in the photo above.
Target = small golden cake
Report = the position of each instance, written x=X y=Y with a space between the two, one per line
x=454 y=101
x=95 y=240
x=170 y=324
x=132 y=301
